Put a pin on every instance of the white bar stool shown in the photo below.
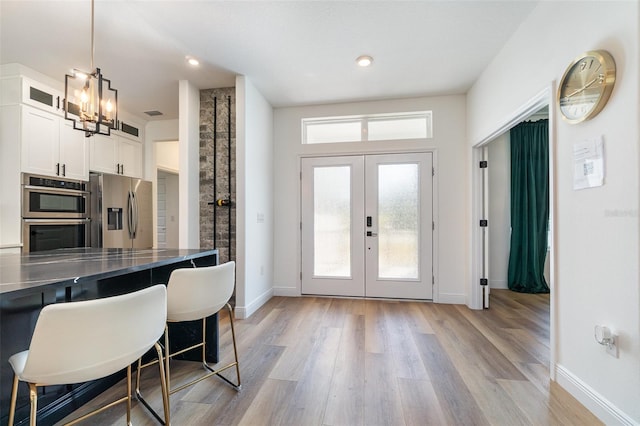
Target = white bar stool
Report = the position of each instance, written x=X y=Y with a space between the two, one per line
x=195 y=294
x=77 y=342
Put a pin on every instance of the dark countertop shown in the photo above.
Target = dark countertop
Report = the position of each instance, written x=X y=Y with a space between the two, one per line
x=23 y=273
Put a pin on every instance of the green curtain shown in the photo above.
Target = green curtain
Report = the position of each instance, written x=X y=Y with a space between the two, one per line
x=529 y=206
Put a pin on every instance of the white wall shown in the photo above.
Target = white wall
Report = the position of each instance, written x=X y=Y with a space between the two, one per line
x=10 y=184
x=254 y=198
x=189 y=149
x=597 y=229
x=157 y=131
x=167 y=232
x=450 y=160
x=499 y=171
x=161 y=151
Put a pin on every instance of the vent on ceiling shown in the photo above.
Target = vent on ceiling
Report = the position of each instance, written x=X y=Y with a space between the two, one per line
x=153 y=113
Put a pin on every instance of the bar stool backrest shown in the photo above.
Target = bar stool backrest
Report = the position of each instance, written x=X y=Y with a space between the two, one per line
x=80 y=341
x=195 y=293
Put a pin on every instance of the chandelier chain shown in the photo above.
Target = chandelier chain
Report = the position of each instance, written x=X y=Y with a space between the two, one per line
x=92 y=43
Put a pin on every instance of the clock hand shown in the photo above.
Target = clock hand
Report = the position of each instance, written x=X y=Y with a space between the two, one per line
x=583 y=88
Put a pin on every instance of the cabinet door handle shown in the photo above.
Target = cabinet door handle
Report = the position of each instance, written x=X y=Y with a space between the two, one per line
x=122 y=169
x=118 y=168
x=64 y=170
x=57 y=169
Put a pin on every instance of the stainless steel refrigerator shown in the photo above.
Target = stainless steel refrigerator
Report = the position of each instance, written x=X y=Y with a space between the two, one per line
x=121 y=212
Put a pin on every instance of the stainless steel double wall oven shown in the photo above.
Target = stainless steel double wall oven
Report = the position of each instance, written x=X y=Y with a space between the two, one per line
x=55 y=213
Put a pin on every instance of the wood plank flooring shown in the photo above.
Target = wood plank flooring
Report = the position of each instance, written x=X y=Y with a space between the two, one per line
x=323 y=361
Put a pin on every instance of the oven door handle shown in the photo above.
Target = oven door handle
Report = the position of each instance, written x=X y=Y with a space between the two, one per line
x=56 y=190
x=57 y=221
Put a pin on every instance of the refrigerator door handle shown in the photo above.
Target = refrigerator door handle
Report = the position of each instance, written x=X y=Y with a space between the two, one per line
x=135 y=214
x=130 y=214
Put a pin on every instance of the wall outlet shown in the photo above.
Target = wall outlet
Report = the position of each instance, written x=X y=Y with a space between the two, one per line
x=612 y=349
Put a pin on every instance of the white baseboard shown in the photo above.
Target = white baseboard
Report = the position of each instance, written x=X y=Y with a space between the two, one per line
x=596 y=403
x=451 y=298
x=244 y=312
x=500 y=284
x=286 y=291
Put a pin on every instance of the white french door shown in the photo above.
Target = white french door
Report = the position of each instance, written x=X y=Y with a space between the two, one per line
x=367 y=226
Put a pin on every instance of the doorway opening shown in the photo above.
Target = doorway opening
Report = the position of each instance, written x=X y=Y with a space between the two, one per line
x=499 y=205
x=367 y=226
x=168 y=209
x=485 y=246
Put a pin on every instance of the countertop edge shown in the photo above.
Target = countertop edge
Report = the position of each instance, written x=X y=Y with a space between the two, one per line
x=12 y=293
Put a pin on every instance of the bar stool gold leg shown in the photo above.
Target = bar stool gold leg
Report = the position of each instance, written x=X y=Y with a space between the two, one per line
x=235 y=349
x=164 y=386
x=129 y=395
x=14 y=396
x=33 y=396
x=166 y=358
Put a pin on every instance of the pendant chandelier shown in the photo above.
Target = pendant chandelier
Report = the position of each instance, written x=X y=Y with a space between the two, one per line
x=89 y=101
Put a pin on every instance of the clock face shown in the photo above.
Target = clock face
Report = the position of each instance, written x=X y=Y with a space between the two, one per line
x=586 y=86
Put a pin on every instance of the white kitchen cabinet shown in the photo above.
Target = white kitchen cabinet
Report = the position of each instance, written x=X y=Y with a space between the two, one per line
x=130 y=129
x=116 y=155
x=15 y=90
x=130 y=153
x=74 y=151
x=51 y=147
x=103 y=154
x=42 y=96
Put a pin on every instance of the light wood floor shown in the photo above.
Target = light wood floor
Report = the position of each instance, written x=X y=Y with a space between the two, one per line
x=322 y=361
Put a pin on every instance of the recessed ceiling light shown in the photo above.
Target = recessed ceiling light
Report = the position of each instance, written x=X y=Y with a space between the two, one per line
x=364 y=60
x=192 y=61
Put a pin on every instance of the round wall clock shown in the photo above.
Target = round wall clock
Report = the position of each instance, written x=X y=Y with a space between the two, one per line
x=586 y=85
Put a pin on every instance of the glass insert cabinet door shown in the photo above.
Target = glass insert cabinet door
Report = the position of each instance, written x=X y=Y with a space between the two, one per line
x=367 y=226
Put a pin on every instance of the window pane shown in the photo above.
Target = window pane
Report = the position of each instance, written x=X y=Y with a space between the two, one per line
x=342 y=131
x=398 y=224
x=398 y=128
x=352 y=128
x=332 y=221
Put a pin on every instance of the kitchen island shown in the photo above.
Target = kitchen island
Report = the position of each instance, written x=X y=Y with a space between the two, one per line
x=31 y=281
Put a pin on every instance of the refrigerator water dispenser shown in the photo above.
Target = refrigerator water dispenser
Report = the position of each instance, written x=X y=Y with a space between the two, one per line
x=114 y=218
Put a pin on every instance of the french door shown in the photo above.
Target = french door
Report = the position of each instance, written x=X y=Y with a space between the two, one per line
x=367 y=225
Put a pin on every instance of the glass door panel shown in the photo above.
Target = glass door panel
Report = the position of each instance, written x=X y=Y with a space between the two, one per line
x=332 y=221
x=398 y=232
x=332 y=226
x=398 y=243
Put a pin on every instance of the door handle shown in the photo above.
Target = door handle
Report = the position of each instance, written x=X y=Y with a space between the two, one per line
x=130 y=214
x=135 y=214
x=64 y=170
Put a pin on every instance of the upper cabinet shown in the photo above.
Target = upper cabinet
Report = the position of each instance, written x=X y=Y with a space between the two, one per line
x=115 y=155
x=50 y=145
x=130 y=130
x=18 y=90
x=41 y=96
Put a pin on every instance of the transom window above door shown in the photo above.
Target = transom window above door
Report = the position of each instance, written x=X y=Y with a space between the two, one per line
x=363 y=128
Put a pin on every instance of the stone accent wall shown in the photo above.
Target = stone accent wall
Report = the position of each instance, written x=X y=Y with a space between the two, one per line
x=225 y=225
